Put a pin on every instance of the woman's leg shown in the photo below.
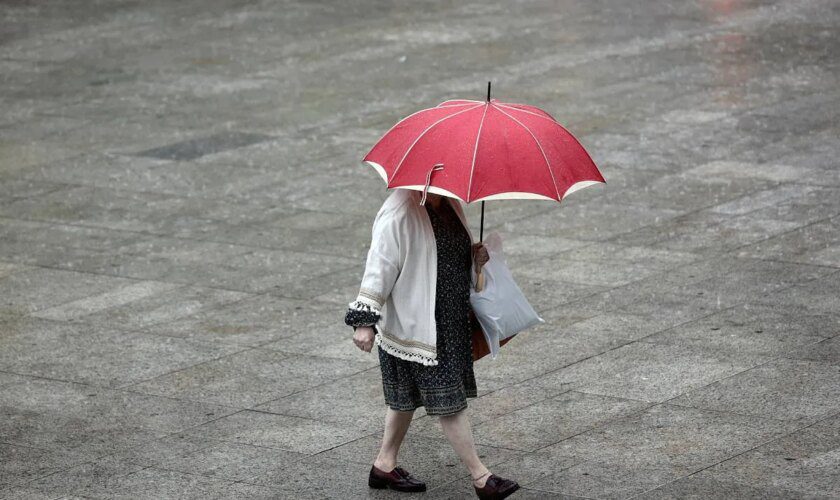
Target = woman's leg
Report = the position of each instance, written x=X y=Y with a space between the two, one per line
x=457 y=429
x=396 y=425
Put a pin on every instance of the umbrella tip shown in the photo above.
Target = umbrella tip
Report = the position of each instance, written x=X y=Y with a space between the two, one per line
x=488 y=91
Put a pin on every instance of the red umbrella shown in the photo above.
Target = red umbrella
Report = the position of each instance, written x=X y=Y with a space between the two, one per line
x=483 y=150
x=488 y=150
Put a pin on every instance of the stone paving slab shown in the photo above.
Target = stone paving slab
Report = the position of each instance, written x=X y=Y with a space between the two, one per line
x=129 y=311
x=202 y=146
x=805 y=462
x=258 y=428
x=782 y=389
x=166 y=449
x=116 y=480
x=260 y=376
x=57 y=246
x=813 y=244
x=756 y=329
x=251 y=321
x=651 y=372
x=37 y=288
x=816 y=297
x=826 y=350
x=698 y=486
x=184 y=217
x=327 y=402
x=99 y=356
x=663 y=442
x=81 y=479
x=230 y=461
x=557 y=418
x=22 y=464
x=124 y=172
x=92 y=421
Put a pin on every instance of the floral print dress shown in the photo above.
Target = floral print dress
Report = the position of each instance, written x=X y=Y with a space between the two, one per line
x=442 y=389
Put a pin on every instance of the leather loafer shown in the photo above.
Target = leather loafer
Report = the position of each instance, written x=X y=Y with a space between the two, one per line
x=496 y=488
x=398 y=480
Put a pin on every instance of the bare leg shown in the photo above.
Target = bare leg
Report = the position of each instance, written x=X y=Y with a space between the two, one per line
x=459 y=433
x=396 y=425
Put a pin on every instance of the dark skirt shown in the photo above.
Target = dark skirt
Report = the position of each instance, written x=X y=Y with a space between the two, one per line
x=442 y=389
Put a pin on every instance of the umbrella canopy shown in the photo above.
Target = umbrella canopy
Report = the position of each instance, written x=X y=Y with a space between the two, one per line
x=487 y=149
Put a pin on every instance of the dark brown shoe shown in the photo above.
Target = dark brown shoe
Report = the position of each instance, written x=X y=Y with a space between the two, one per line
x=398 y=480
x=496 y=488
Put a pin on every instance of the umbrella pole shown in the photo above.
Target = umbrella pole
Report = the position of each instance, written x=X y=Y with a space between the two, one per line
x=481 y=231
x=479 y=279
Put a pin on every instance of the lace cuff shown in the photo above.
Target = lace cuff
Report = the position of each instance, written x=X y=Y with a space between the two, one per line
x=361 y=314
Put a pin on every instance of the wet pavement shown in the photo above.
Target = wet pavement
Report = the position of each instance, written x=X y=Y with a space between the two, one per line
x=184 y=217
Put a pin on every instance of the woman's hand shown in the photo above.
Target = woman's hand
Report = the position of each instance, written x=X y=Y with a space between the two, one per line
x=363 y=337
x=480 y=254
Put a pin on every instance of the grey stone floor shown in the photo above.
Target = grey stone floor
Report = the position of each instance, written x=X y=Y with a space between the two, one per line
x=184 y=217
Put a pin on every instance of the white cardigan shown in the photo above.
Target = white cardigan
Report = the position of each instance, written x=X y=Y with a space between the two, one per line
x=400 y=277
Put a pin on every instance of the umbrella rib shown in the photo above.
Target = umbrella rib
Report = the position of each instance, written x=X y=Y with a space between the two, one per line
x=475 y=151
x=421 y=136
x=529 y=112
x=466 y=103
x=547 y=163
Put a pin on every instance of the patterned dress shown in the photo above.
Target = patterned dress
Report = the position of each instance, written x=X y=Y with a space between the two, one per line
x=442 y=389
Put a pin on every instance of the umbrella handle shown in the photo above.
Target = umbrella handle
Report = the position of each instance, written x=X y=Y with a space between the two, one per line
x=479 y=280
x=436 y=166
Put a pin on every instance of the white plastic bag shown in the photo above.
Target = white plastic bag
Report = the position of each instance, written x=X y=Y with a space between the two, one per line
x=501 y=307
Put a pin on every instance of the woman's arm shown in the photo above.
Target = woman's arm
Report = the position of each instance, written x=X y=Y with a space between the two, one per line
x=382 y=267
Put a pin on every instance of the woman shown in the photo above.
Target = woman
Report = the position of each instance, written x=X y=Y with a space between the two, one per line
x=414 y=304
